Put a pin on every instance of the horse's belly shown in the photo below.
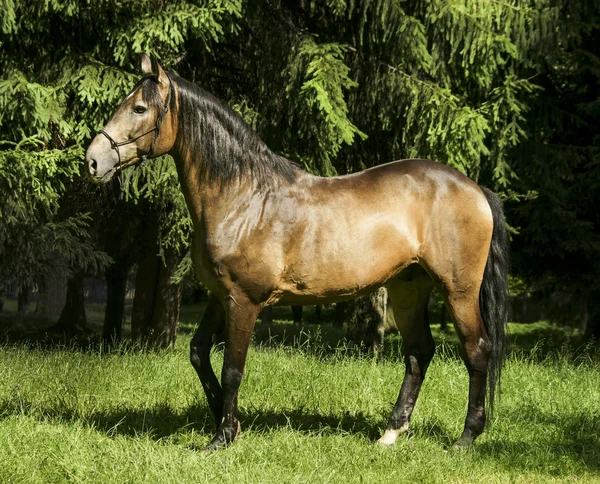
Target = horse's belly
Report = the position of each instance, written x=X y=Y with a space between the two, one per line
x=352 y=260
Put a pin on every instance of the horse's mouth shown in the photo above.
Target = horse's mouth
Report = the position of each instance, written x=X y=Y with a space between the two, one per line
x=108 y=175
x=113 y=171
x=102 y=180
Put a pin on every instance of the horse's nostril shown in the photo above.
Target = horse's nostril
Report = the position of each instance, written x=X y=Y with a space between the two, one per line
x=93 y=166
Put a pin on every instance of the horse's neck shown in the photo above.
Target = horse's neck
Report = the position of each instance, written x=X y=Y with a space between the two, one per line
x=197 y=195
x=207 y=200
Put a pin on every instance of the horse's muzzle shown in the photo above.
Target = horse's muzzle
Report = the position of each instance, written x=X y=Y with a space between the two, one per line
x=100 y=160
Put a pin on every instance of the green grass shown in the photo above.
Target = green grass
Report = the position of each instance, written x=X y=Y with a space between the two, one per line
x=310 y=409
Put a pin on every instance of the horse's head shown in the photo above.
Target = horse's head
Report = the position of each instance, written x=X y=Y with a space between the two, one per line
x=144 y=126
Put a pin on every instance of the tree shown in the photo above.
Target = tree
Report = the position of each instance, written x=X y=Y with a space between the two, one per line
x=64 y=67
x=34 y=242
x=336 y=86
x=73 y=317
x=557 y=247
x=504 y=92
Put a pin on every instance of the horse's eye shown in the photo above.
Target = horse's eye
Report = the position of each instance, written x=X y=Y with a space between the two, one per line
x=140 y=109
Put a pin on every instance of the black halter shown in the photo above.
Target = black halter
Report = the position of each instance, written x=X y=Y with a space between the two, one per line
x=115 y=146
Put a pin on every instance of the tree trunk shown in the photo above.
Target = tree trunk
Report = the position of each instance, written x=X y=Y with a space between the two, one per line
x=584 y=318
x=297 y=314
x=444 y=317
x=592 y=327
x=341 y=309
x=146 y=284
x=367 y=322
x=72 y=321
x=266 y=315
x=72 y=316
x=157 y=300
x=116 y=285
x=53 y=297
x=168 y=303
x=23 y=298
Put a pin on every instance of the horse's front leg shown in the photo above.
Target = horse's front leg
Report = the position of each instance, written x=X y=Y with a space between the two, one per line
x=240 y=319
x=212 y=323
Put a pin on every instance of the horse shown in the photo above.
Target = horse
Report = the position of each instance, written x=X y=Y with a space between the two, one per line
x=268 y=233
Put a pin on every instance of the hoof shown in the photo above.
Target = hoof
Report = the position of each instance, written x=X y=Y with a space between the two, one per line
x=462 y=444
x=224 y=438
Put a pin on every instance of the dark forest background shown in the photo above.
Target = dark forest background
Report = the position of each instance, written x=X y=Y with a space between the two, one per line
x=506 y=92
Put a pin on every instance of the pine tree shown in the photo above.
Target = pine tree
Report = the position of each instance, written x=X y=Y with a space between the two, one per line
x=557 y=248
x=65 y=66
x=335 y=85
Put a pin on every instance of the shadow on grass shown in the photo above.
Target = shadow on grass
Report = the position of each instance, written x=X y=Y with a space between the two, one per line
x=315 y=336
x=161 y=421
x=191 y=315
x=577 y=445
x=535 y=341
x=311 y=423
x=320 y=338
x=432 y=428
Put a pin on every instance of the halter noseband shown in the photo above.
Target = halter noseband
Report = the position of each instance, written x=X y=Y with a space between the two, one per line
x=115 y=145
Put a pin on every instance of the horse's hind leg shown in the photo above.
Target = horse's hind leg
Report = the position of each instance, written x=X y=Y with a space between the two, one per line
x=213 y=321
x=409 y=294
x=464 y=308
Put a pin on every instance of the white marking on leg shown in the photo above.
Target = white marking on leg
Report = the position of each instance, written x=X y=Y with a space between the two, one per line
x=390 y=435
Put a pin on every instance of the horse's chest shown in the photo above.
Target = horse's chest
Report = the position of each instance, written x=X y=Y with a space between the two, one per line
x=206 y=265
x=221 y=265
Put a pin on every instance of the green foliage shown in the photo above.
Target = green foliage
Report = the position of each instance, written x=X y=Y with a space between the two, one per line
x=65 y=67
x=506 y=110
x=33 y=244
x=557 y=249
x=167 y=29
x=505 y=92
x=317 y=80
x=7 y=9
x=158 y=184
x=369 y=82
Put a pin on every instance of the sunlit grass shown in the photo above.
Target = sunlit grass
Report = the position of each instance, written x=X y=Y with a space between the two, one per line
x=311 y=410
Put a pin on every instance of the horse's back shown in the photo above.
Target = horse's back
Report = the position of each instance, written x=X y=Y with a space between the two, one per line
x=414 y=193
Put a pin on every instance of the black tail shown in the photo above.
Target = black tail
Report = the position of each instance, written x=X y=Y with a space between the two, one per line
x=493 y=296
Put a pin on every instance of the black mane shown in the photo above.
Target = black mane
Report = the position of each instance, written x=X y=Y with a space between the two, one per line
x=225 y=145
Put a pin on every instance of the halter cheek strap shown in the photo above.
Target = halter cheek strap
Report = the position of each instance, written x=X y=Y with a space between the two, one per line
x=114 y=145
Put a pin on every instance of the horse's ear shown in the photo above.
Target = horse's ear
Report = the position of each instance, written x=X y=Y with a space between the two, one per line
x=159 y=73
x=146 y=63
x=150 y=66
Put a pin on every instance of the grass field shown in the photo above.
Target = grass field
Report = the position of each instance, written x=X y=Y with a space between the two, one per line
x=310 y=409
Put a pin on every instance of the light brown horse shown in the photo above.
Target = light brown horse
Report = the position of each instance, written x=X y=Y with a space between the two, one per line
x=267 y=233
